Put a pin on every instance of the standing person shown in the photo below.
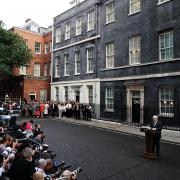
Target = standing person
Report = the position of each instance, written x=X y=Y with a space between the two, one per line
x=69 y=109
x=157 y=126
x=88 y=111
x=46 y=109
x=52 y=107
x=41 y=108
x=84 y=111
x=77 y=110
x=60 y=108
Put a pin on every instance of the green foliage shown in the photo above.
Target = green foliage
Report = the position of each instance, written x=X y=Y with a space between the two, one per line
x=13 y=52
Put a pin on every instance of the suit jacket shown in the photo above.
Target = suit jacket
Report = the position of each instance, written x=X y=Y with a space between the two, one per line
x=158 y=127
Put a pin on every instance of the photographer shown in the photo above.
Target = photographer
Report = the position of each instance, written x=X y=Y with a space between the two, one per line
x=41 y=165
x=22 y=167
x=4 y=166
x=68 y=175
x=38 y=135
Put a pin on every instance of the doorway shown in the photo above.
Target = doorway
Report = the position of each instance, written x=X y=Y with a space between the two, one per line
x=135 y=104
x=32 y=96
x=77 y=96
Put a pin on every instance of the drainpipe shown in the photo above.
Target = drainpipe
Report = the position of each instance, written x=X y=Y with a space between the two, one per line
x=52 y=59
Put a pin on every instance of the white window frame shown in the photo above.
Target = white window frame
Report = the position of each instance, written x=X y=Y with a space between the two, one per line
x=46 y=48
x=57 y=66
x=57 y=93
x=43 y=95
x=135 y=50
x=109 y=96
x=163 y=1
x=22 y=70
x=91 y=20
x=46 y=69
x=66 y=65
x=67 y=31
x=110 y=14
x=90 y=94
x=110 y=54
x=78 y=26
x=77 y=63
x=166 y=48
x=167 y=102
x=37 y=48
x=90 y=59
x=37 y=69
x=133 y=5
x=58 y=35
x=66 y=93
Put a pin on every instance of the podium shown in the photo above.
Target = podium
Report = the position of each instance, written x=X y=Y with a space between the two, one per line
x=149 y=134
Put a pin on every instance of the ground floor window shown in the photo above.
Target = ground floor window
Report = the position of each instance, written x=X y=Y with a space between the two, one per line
x=43 y=95
x=90 y=94
x=109 y=99
x=166 y=102
x=57 y=93
x=66 y=97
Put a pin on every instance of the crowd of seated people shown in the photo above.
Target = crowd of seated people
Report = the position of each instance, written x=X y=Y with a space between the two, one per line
x=21 y=153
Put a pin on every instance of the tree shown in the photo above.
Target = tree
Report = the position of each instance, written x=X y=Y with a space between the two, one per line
x=14 y=52
x=1 y=23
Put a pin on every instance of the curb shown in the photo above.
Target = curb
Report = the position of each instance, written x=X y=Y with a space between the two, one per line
x=111 y=130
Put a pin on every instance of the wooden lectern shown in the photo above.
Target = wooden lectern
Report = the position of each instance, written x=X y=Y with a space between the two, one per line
x=149 y=134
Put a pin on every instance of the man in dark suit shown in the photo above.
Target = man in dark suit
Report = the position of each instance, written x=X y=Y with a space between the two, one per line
x=157 y=126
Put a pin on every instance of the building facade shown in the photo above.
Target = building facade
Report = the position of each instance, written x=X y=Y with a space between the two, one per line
x=35 y=78
x=138 y=58
x=76 y=55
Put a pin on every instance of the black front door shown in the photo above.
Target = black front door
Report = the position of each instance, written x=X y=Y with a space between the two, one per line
x=136 y=110
x=136 y=106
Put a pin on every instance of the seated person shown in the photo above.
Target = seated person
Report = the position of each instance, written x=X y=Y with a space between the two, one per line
x=22 y=168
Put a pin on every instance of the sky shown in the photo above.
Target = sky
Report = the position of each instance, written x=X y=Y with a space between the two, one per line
x=15 y=12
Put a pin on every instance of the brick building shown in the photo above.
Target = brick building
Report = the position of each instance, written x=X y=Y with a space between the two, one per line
x=122 y=55
x=34 y=80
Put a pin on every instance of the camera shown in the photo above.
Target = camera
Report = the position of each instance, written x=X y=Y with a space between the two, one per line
x=78 y=170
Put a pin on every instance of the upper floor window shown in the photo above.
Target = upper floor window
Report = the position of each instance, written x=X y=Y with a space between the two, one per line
x=46 y=69
x=135 y=49
x=37 y=47
x=57 y=66
x=110 y=12
x=78 y=25
x=67 y=31
x=109 y=99
x=46 y=48
x=22 y=70
x=66 y=65
x=134 y=6
x=91 y=20
x=110 y=55
x=37 y=69
x=166 y=45
x=90 y=59
x=58 y=35
x=77 y=63
x=166 y=102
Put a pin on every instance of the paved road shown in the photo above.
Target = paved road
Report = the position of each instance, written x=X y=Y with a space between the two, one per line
x=109 y=156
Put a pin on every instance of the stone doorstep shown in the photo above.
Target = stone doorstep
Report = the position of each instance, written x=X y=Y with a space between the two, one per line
x=167 y=135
